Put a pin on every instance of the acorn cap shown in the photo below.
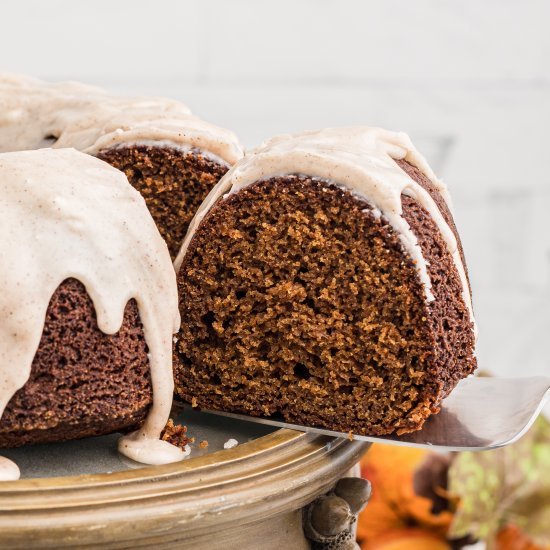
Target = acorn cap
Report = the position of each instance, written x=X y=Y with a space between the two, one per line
x=355 y=491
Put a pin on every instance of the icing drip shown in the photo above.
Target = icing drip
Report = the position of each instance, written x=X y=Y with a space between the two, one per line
x=35 y=114
x=9 y=471
x=360 y=159
x=65 y=214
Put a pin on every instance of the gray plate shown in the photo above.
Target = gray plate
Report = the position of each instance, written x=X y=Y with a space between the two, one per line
x=95 y=455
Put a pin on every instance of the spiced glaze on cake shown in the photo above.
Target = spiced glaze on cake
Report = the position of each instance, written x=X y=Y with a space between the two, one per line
x=323 y=278
x=170 y=156
x=81 y=255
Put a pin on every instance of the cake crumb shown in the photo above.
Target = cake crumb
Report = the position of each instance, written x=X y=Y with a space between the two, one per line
x=203 y=444
x=194 y=402
x=230 y=443
x=176 y=434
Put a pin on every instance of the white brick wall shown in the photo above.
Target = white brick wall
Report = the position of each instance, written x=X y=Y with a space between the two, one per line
x=399 y=40
x=128 y=41
x=468 y=79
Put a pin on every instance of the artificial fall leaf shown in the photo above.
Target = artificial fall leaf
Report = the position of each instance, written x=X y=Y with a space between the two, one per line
x=508 y=486
x=512 y=537
x=394 y=506
x=407 y=539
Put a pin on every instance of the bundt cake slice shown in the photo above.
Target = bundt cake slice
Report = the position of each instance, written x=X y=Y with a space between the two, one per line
x=170 y=156
x=323 y=279
x=88 y=306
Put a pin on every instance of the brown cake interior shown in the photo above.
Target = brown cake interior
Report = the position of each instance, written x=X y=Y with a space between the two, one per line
x=83 y=382
x=172 y=182
x=296 y=298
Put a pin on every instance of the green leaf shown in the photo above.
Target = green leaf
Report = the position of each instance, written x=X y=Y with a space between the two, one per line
x=505 y=486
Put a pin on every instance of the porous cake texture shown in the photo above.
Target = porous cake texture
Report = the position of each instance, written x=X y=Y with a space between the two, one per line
x=173 y=182
x=82 y=382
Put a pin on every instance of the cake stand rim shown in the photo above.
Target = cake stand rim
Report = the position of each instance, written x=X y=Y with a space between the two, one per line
x=265 y=477
x=243 y=451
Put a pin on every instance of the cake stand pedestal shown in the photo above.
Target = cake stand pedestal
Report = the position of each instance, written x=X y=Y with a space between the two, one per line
x=247 y=497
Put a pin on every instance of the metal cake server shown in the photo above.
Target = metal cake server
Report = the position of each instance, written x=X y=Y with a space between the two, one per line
x=479 y=414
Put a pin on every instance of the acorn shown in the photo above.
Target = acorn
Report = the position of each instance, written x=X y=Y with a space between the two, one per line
x=330 y=515
x=355 y=491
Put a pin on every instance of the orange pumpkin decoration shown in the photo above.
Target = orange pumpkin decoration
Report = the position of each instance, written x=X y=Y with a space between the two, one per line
x=396 y=517
x=512 y=537
x=407 y=539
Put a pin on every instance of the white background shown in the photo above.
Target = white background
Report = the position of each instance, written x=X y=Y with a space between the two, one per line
x=469 y=80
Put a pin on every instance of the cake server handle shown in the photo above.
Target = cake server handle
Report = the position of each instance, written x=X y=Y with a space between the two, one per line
x=481 y=413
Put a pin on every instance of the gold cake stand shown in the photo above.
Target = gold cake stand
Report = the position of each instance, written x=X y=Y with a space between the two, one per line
x=247 y=497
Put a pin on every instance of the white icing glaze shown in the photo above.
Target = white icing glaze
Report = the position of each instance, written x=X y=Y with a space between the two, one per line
x=9 y=471
x=164 y=143
x=150 y=451
x=66 y=214
x=90 y=120
x=361 y=159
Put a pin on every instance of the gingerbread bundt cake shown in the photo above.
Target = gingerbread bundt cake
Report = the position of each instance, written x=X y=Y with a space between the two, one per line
x=171 y=157
x=323 y=279
x=88 y=306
